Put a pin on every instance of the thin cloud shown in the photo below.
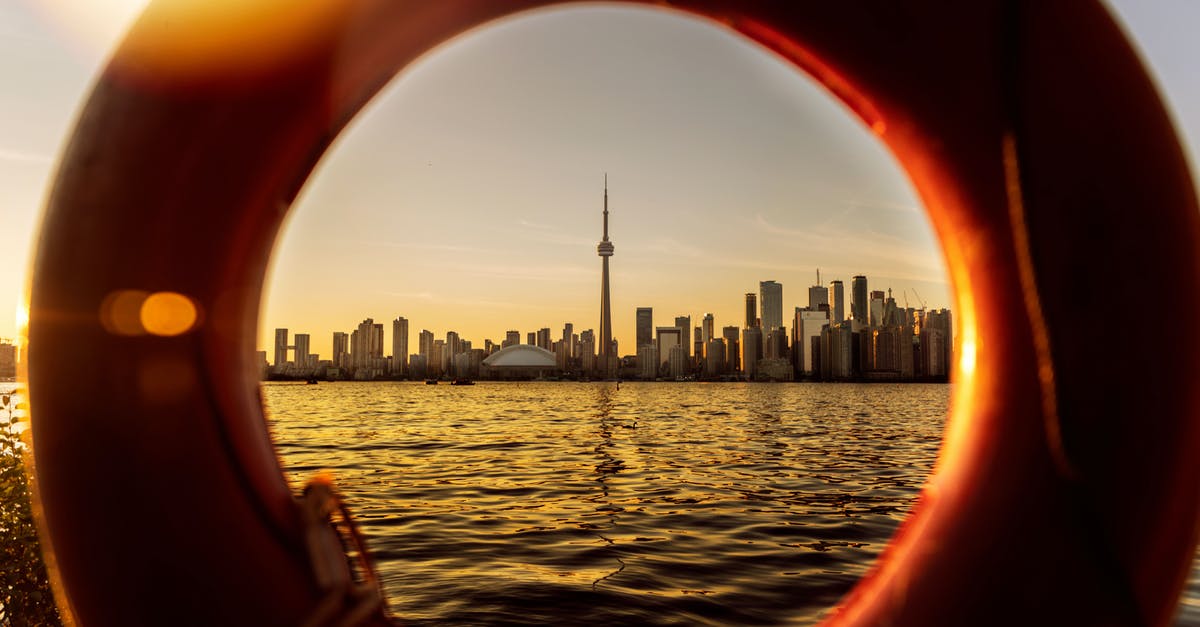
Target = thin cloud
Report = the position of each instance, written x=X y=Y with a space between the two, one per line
x=25 y=157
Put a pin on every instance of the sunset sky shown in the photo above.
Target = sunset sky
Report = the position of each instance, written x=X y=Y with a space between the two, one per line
x=467 y=196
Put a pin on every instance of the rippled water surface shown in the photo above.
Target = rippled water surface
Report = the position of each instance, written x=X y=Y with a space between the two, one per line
x=581 y=503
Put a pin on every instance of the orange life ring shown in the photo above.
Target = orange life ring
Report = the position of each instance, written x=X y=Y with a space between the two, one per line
x=1067 y=489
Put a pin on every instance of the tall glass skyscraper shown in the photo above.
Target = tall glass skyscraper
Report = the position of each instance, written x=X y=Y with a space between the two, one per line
x=858 y=300
x=837 y=302
x=645 y=327
x=771 y=295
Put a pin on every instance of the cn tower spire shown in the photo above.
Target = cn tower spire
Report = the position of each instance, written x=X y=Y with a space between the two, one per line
x=605 y=206
x=607 y=362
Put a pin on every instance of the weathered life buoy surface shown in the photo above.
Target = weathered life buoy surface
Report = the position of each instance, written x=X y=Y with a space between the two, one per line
x=1067 y=489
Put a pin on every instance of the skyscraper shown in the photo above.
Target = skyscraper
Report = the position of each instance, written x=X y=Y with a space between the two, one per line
x=301 y=349
x=341 y=349
x=281 y=347
x=400 y=346
x=837 y=302
x=875 y=307
x=645 y=326
x=568 y=338
x=605 y=250
x=771 y=299
x=817 y=295
x=708 y=329
x=425 y=343
x=751 y=310
x=684 y=323
x=858 y=301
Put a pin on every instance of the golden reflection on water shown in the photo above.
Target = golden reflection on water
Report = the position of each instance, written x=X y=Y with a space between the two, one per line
x=652 y=503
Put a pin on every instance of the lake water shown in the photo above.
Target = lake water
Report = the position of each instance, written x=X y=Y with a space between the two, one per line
x=658 y=503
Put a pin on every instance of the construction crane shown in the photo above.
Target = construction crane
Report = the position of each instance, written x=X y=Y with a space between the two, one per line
x=919 y=299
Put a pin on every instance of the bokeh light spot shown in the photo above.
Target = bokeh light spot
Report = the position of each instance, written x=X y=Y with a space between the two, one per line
x=167 y=314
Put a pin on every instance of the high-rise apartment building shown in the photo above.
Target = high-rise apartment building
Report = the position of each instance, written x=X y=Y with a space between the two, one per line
x=751 y=310
x=568 y=339
x=366 y=344
x=281 y=347
x=771 y=299
x=400 y=346
x=341 y=349
x=708 y=325
x=837 y=302
x=858 y=301
x=645 y=327
x=511 y=338
x=543 y=338
x=425 y=344
x=302 y=343
x=531 y=338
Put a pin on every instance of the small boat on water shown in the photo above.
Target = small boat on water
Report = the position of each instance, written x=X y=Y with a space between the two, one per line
x=462 y=382
x=431 y=381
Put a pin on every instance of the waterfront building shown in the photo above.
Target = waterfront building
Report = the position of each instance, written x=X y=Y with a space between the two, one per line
x=771 y=301
x=366 y=345
x=425 y=344
x=645 y=327
x=520 y=362
x=418 y=365
x=531 y=338
x=281 y=348
x=587 y=351
x=400 y=346
x=511 y=338
x=341 y=349
x=679 y=364
x=775 y=370
x=714 y=358
x=648 y=364
x=608 y=361
x=775 y=344
x=751 y=310
x=568 y=338
x=708 y=326
x=837 y=351
x=837 y=302
x=666 y=337
x=751 y=351
x=543 y=338
x=300 y=350
x=684 y=323
x=698 y=346
x=732 y=349
x=808 y=325
x=858 y=301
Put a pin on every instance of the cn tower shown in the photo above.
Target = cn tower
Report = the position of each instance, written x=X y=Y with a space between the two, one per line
x=605 y=250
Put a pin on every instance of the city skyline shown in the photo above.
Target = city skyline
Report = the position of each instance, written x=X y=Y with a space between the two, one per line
x=650 y=315
x=724 y=160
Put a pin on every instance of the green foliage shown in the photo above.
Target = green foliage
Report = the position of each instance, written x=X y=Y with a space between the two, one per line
x=25 y=597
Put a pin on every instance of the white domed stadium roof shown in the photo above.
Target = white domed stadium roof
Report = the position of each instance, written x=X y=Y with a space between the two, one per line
x=526 y=355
